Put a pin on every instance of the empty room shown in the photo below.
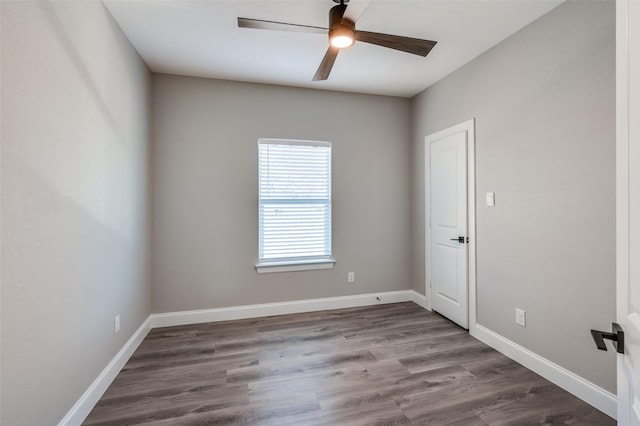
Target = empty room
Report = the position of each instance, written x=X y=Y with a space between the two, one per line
x=319 y=212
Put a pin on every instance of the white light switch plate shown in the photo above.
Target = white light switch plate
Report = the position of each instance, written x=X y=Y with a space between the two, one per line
x=521 y=318
x=491 y=199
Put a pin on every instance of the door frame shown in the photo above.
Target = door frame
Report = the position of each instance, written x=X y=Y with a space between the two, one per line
x=623 y=188
x=469 y=127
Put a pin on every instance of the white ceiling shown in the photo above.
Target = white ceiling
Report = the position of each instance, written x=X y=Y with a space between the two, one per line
x=201 y=38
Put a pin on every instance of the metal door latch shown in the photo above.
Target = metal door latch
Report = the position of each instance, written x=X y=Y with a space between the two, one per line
x=616 y=336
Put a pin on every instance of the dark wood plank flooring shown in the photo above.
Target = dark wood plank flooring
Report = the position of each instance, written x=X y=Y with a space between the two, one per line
x=384 y=364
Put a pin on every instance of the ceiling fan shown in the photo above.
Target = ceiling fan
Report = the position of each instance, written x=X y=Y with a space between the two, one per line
x=342 y=34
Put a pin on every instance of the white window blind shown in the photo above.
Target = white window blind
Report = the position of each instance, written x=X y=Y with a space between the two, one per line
x=295 y=201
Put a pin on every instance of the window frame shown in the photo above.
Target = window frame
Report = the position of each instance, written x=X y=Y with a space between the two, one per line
x=300 y=263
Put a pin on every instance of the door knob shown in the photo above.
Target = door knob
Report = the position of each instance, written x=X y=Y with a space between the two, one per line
x=459 y=239
x=616 y=336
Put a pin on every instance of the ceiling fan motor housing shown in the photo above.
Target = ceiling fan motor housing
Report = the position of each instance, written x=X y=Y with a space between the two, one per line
x=339 y=26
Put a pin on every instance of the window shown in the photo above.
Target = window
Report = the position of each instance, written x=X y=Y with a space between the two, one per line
x=294 y=187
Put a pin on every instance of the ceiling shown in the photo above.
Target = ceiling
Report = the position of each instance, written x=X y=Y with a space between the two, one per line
x=201 y=38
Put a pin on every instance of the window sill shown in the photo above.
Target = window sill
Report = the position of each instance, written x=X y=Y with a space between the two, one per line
x=306 y=265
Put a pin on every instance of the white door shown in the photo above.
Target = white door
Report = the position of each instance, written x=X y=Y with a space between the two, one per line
x=628 y=207
x=448 y=248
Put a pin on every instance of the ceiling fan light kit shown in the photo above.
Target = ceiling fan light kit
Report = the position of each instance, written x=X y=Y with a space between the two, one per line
x=342 y=31
x=342 y=34
x=341 y=39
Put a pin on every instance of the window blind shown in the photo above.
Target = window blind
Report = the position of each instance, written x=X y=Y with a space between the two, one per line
x=294 y=201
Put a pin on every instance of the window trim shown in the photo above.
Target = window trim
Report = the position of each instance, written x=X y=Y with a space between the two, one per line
x=294 y=265
x=298 y=264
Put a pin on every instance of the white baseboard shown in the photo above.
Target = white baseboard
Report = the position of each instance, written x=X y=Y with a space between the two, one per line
x=420 y=300
x=592 y=394
x=92 y=395
x=268 y=309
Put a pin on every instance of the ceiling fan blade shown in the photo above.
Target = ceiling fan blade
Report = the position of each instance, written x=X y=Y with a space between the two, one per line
x=356 y=9
x=416 y=46
x=260 y=24
x=327 y=63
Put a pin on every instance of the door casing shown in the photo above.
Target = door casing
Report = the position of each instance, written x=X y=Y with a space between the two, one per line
x=627 y=205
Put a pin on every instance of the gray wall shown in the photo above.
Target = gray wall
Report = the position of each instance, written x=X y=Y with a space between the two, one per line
x=205 y=220
x=74 y=202
x=545 y=144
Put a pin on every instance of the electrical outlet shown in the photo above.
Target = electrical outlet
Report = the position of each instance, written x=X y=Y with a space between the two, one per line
x=351 y=277
x=116 y=324
x=521 y=318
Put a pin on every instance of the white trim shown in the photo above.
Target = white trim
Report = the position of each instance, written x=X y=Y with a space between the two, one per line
x=307 y=265
x=420 y=300
x=468 y=127
x=275 y=141
x=171 y=319
x=623 y=217
x=592 y=394
x=92 y=395
x=471 y=219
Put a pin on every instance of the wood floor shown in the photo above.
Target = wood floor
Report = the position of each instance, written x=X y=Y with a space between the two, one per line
x=385 y=364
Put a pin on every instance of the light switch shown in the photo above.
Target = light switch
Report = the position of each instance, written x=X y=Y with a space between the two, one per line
x=491 y=199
